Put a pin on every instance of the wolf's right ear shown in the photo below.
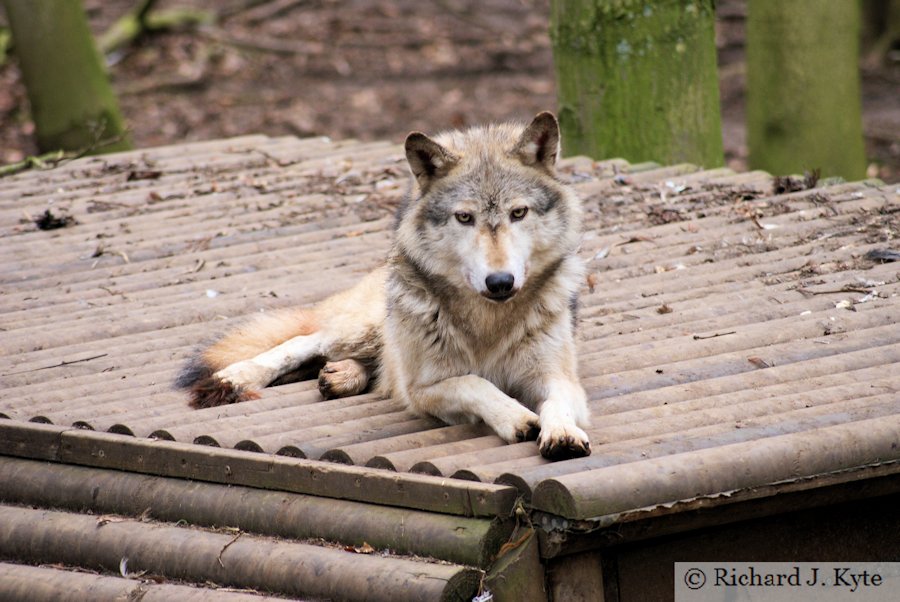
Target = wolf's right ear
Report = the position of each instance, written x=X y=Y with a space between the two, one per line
x=428 y=160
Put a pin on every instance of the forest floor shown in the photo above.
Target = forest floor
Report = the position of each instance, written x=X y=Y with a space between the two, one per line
x=376 y=69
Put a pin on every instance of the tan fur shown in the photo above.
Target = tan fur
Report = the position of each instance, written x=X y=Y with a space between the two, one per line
x=472 y=317
x=260 y=334
x=342 y=314
x=496 y=253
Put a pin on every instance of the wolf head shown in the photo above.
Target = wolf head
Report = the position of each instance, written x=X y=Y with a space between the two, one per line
x=487 y=214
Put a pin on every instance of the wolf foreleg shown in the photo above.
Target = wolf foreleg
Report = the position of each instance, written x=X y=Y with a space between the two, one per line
x=561 y=414
x=471 y=396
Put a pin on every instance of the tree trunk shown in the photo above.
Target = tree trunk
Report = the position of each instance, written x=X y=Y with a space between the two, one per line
x=72 y=103
x=880 y=30
x=803 y=88
x=638 y=80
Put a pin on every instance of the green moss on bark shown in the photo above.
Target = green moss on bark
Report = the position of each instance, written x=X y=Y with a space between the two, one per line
x=803 y=88
x=72 y=103
x=637 y=79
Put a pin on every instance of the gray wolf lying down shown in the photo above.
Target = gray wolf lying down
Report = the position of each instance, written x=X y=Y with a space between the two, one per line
x=471 y=318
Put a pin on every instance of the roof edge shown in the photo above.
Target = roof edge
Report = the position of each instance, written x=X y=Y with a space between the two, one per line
x=265 y=471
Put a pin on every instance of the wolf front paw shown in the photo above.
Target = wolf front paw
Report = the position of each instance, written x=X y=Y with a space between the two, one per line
x=524 y=427
x=564 y=443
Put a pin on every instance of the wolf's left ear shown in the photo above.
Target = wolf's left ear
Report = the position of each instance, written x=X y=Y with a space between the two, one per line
x=428 y=159
x=539 y=143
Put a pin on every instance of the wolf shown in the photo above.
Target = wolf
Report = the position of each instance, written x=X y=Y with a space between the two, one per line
x=471 y=319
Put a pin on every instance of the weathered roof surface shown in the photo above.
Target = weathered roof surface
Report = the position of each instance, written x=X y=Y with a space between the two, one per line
x=731 y=337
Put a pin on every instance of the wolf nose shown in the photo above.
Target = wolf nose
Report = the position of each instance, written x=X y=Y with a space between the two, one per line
x=500 y=283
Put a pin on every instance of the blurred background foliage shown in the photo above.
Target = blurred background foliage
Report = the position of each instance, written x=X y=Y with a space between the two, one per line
x=375 y=69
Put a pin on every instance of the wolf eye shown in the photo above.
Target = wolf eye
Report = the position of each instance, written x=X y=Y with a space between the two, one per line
x=518 y=213
x=464 y=217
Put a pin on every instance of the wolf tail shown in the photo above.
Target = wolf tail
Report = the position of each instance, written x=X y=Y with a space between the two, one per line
x=257 y=335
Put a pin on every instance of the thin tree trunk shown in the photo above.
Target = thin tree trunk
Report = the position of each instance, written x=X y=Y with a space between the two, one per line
x=72 y=102
x=803 y=87
x=638 y=79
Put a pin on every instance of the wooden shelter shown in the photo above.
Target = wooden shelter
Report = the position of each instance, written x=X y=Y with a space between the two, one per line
x=738 y=339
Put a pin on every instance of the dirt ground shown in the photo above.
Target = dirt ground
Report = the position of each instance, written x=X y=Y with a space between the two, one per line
x=376 y=69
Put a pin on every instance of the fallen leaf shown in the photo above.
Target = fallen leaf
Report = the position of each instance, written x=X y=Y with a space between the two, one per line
x=678 y=187
x=123 y=570
x=108 y=518
x=363 y=549
x=602 y=253
x=143 y=174
x=763 y=226
x=844 y=304
x=663 y=215
x=49 y=221
x=759 y=362
x=868 y=297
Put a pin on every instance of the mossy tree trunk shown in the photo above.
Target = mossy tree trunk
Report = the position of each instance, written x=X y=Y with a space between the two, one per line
x=72 y=102
x=803 y=87
x=638 y=79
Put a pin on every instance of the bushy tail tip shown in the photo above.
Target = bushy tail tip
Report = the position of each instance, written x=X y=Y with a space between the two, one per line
x=210 y=392
x=207 y=391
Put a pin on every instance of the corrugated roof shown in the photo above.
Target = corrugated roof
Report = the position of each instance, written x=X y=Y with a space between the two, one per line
x=730 y=337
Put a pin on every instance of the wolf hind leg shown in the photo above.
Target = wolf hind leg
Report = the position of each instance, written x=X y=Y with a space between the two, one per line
x=239 y=381
x=263 y=369
x=343 y=378
x=345 y=325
